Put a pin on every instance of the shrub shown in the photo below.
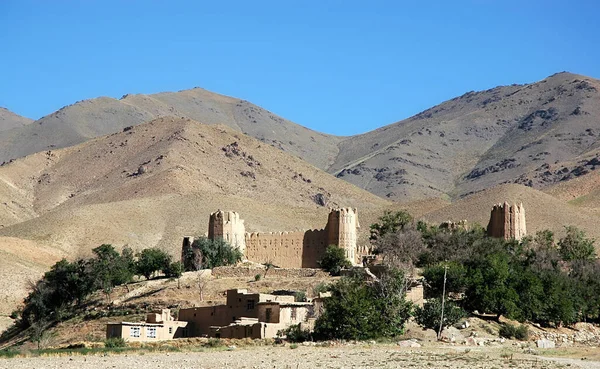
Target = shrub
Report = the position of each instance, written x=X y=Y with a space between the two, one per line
x=207 y=254
x=300 y=296
x=362 y=310
x=214 y=342
x=319 y=288
x=294 y=333
x=293 y=346
x=15 y=314
x=257 y=277
x=390 y=223
x=511 y=331
x=334 y=260
x=174 y=270
x=151 y=261
x=429 y=315
x=114 y=342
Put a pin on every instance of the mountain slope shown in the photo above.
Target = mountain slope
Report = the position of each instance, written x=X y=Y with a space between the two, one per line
x=97 y=117
x=542 y=211
x=150 y=185
x=9 y=120
x=536 y=134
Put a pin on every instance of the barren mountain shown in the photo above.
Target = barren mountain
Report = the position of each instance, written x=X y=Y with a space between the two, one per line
x=150 y=185
x=9 y=120
x=87 y=119
x=542 y=211
x=583 y=191
x=536 y=134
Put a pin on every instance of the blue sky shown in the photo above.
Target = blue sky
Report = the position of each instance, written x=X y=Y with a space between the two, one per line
x=340 y=67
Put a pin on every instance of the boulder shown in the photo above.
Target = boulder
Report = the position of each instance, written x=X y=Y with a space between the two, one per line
x=409 y=343
x=543 y=343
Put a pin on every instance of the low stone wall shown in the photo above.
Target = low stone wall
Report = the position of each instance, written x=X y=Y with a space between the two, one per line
x=250 y=272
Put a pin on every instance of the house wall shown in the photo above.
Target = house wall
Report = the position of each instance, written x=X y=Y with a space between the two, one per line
x=289 y=315
x=167 y=331
x=200 y=319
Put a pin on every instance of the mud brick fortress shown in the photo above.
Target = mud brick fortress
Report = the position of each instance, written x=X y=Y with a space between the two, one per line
x=507 y=221
x=296 y=249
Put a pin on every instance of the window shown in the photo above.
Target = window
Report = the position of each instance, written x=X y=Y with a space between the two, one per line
x=170 y=330
x=250 y=305
x=268 y=314
x=294 y=313
x=151 y=332
x=134 y=331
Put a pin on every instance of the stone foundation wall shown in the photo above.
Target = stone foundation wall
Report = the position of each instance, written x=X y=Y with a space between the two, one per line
x=250 y=272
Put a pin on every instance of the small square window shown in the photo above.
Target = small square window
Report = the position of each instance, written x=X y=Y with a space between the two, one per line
x=151 y=332
x=250 y=305
x=134 y=332
x=170 y=330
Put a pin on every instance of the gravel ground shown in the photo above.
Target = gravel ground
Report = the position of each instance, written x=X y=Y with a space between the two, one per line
x=380 y=356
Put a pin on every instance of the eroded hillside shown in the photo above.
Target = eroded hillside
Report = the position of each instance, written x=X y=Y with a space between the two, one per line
x=150 y=185
x=536 y=134
x=87 y=119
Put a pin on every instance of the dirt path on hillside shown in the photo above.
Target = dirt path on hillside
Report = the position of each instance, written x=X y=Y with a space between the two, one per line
x=380 y=356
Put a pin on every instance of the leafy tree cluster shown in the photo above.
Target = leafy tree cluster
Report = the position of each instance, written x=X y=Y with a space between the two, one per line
x=334 y=260
x=430 y=314
x=360 y=309
x=537 y=279
x=66 y=285
x=205 y=253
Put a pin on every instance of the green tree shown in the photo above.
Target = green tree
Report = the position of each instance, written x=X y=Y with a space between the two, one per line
x=174 y=270
x=429 y=315
x=208 y=254
x=490 y=288
x=361 y=310
x=109 y=269
x=151 y=261
x=390 y=222
x=334 y=260
x=456 y=278
x=576 y=246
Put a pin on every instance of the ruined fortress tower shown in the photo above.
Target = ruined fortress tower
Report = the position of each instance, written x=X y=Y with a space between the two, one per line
x=507 y=221
x=228 y=226
x=296 y=249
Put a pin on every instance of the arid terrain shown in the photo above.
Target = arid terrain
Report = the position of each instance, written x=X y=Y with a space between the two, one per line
x=361 y=356
x=146 y=170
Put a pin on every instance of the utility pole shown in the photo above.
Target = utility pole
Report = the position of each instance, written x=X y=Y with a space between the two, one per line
x=443 y=300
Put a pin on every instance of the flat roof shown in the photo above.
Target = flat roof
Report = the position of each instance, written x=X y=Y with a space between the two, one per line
x=138 y=323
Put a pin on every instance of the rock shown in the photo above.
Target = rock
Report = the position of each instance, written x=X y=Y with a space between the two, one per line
x=544 y=343
x=470 y=341
x=321 y=199
x=409 y=343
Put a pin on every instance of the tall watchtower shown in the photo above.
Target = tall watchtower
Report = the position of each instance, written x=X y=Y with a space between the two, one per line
x=507 y=221
x=228 y=226
x=342 y=226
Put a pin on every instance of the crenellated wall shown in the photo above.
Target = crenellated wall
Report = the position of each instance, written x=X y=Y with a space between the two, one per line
x=301 y=249
x=507 y=221
x=297 y=249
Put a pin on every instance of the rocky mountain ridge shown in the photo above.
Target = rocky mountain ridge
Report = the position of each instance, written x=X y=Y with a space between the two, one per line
x=537 y=134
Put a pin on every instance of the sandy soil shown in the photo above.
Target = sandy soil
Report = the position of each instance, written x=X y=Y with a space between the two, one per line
x=380 y=356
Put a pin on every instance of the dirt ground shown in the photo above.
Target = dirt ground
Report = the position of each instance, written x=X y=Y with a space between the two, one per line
x=360 y=356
